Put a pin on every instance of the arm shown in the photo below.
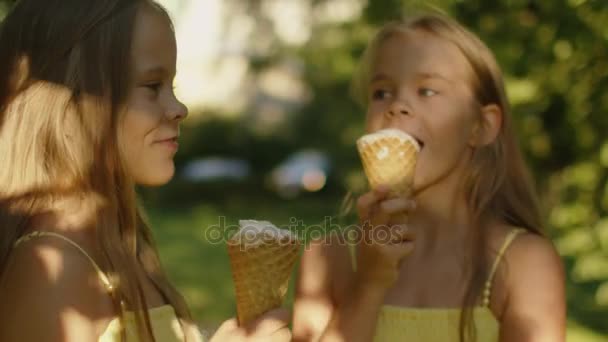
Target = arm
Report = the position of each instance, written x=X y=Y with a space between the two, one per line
x=50 y=292
x=535 y=308
x=354 y=318
x=323 y=277
x=337 y=305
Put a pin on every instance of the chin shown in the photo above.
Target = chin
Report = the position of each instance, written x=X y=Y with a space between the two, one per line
x=159 y=178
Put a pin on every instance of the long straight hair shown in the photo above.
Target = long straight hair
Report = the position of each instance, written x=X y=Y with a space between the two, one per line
x=65 y=78
x=498 y=184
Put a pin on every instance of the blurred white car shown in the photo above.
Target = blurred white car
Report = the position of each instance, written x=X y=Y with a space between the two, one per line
x=306 y=170
x=216 y=168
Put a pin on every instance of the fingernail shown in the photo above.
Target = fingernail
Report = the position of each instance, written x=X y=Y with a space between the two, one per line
x=385 y=187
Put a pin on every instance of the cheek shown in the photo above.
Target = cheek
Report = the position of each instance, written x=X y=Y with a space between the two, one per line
x=140 y=120
x=131 y=140
x=135 y=128
x=373 y=119
x=449 y=137
x=136 y=143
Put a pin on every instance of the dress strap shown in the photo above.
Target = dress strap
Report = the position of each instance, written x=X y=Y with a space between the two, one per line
x=35 y=234
x=488 y=286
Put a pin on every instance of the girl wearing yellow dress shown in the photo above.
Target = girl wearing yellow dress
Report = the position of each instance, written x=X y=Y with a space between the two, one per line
x=87 y=111
x=470 y=263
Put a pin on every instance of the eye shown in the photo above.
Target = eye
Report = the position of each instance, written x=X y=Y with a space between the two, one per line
x=380 y=94
x=154 y=86
x=426 y=92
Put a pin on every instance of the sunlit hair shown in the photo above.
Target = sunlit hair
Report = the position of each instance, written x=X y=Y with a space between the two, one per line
x=498 y=185
x=64 y=84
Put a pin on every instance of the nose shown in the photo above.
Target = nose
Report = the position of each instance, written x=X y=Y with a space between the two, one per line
x=398 y=107
x=177 y=111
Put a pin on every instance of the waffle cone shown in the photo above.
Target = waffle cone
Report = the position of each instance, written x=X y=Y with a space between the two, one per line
x=261 y=266
x=389 y=158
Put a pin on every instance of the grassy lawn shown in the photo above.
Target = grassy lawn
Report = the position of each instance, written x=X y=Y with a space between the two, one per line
x=201 y=270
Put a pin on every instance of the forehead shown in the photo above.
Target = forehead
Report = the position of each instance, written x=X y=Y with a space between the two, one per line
x=407 y=53
x=153 y=41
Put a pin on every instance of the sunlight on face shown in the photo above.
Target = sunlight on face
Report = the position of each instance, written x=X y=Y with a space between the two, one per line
x=150 y=128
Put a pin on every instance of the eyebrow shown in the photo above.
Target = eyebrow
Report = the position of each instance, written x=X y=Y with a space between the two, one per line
x=425 y=75
x=421 y=75
x=379 y=77
x=155 y=71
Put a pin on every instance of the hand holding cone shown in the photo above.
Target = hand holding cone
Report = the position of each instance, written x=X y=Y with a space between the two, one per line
x=262 y=258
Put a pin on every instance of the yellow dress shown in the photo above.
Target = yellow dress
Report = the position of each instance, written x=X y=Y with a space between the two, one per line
x=440 y=324
x=164 y=321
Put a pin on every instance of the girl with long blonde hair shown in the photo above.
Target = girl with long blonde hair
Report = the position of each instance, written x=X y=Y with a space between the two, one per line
x=87 y=112
x=470 y=262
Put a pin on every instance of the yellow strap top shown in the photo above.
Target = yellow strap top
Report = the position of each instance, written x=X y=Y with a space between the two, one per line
x=440 y=324
x=487 y=291
x=164 y=321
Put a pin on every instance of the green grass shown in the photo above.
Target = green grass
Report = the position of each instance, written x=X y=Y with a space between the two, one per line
x=578 y=333
x=201 y=270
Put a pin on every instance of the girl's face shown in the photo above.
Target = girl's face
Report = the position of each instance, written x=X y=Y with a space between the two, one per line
x=150 y=127
x=420 y=85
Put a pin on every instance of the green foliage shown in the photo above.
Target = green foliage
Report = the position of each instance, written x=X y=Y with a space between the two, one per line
x=554 y=55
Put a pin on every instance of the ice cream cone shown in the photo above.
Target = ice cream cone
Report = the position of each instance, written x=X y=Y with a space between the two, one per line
x=389 y=158
x=262 y=258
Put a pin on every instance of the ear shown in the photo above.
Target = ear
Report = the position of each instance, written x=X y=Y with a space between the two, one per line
x=487 y=128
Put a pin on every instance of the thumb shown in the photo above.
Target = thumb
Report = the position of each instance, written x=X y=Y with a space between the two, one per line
x=227 y=329
x=401 y=250
x=269 y=322
x=405 y=248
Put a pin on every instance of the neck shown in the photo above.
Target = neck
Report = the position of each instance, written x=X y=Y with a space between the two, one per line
x=74 y=214
x=442 y=221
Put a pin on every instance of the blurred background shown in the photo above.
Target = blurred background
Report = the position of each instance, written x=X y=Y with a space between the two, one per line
x=272 y=127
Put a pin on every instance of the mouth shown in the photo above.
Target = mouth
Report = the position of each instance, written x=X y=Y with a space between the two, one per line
x=420 y=143
x=418 y=140
x=169 y=143
x=168 y=140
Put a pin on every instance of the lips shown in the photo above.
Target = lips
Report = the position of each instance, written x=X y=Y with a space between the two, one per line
x=169 y=143
x=173 y=139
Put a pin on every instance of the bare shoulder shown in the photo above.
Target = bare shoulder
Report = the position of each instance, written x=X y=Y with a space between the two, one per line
x=533 y=281
x=532 y=260
x=50 y=285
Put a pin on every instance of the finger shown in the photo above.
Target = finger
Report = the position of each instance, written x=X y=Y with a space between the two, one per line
x=395 y=205
x=395 y=255
x=283 y=335
x=269 y=322
x=400 y=251
x=379 y=218
x=229 y=324
x=366 y=202
x=412 y=204
x=363 y=206
x=382 y=190
x=401 y=233
x=228 y=329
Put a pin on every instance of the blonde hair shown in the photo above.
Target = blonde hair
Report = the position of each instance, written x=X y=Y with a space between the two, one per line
x=498 y=184
x=63 y=89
